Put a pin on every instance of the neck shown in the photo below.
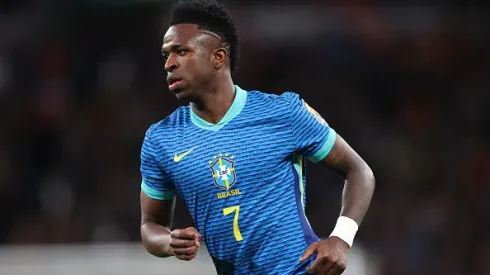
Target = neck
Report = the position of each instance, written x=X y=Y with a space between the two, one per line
x=215 y=100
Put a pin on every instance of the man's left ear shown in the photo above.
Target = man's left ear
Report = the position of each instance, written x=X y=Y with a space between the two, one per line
x=219 y=58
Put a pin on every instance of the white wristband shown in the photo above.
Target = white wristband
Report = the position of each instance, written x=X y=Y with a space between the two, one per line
x=345 y=229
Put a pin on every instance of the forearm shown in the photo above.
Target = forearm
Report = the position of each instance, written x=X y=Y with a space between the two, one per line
x=156 y=239
x=358 y=191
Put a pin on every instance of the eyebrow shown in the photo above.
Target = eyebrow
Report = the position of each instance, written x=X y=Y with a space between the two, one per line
x=171 y=47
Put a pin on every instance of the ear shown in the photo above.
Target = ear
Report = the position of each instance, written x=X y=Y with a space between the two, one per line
x=219 y=57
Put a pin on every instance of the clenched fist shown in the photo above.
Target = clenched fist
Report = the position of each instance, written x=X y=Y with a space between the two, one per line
x=184 y=243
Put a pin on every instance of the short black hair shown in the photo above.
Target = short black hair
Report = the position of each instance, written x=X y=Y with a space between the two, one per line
x=211 y=16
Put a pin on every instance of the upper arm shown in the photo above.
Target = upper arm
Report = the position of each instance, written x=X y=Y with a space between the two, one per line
x=157 y=211
x=157 y=196
x=312 y=135
x=343 y=158
x=316 y=140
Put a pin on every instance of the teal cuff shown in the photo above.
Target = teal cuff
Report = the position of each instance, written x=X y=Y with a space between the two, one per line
x=322 y=153
x=157 y=194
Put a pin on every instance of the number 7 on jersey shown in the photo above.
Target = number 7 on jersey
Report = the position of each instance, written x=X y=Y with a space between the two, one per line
x=236 y=230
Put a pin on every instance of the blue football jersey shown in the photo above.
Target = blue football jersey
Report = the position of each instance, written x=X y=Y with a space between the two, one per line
x=243 y=179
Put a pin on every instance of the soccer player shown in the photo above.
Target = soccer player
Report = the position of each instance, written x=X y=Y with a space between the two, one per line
x=237 y=159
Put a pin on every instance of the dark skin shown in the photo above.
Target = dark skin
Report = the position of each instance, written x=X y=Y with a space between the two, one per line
x=199 y=59
x=158 y=239
x=358 y=190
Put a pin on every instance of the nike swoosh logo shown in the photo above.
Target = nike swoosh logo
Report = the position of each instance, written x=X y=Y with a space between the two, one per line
x=180 y=157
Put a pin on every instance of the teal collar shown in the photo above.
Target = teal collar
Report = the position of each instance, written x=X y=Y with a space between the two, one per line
x=235 y=109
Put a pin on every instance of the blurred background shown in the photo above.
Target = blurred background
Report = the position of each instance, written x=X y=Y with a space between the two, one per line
x=406 y=85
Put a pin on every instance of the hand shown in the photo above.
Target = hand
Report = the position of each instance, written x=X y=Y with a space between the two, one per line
x=184 y=243
x=331 y=256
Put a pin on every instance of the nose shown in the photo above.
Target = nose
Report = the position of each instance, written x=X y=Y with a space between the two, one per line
x=171 y=63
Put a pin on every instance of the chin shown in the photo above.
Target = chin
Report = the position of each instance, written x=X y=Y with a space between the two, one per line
x=183 y=95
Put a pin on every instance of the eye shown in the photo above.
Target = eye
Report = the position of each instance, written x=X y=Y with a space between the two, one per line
x=165 y=56
x=182 y=52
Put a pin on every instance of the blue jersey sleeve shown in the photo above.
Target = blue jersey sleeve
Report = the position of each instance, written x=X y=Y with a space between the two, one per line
x=155 y=183
x=312 y=135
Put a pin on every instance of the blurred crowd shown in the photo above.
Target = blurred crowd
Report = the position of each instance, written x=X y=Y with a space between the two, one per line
x=406 y=86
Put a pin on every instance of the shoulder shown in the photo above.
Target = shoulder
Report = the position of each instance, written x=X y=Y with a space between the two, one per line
x=283 y=100
x=173 y=122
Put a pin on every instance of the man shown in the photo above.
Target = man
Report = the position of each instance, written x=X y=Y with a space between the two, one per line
x=237 y=159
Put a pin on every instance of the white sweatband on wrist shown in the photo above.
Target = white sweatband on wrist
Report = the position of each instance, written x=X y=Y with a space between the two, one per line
x=345 y=229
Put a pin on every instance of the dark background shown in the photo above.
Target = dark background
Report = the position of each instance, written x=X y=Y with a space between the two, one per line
x=406 y=85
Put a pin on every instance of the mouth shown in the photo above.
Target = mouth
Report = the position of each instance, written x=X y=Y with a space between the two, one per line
x=173 y=82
